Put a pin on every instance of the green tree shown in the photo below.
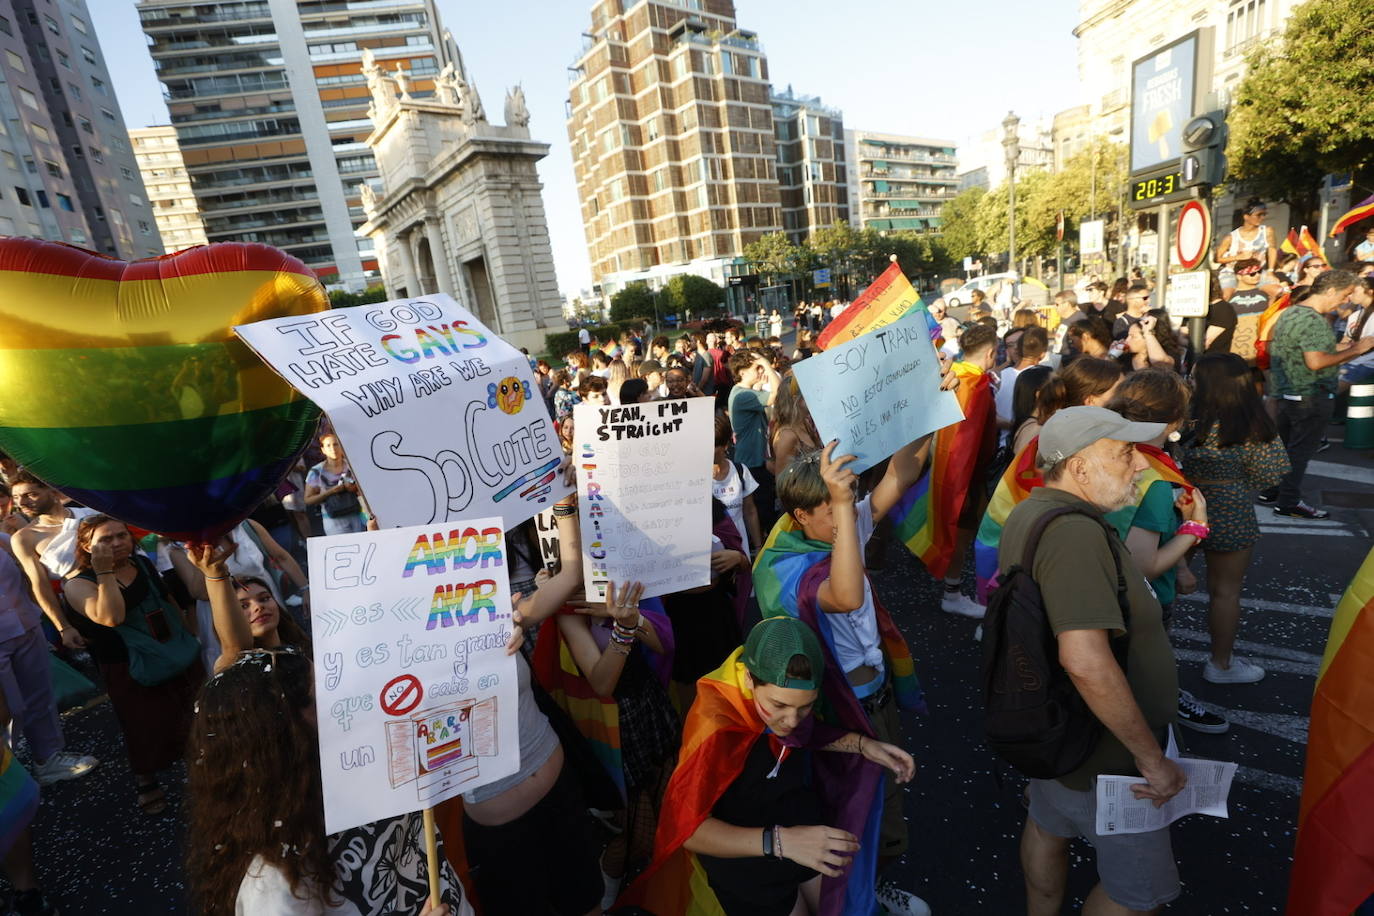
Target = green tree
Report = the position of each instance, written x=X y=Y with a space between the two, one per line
x=690 y=293
x=1302 y=110
x=958 y=225
x=634 y=301
x=774 y=254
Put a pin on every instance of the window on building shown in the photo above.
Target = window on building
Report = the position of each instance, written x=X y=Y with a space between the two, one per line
x=40 y=132
x=5 y=26
x=15 y=61
x=89 y=55
x=30 y=165
x=143 y=227
x=73 y=91
x=95 y=154
x=28 y=98
x=22 y=195
x=651 y=129
x=108 y=115
x=65 y=202
x=67 y=119
x=64 y=60
x=126 y=172
x=135 y=200
x=99 y=85
x=10 y=161
x=79 y=151
x=53 y=168
x=42 y=198
x=52 y=25
x=79 y=24
x=86 y=125
x=1244 y=23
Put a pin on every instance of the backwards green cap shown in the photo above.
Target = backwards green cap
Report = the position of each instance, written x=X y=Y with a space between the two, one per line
x=770 y=647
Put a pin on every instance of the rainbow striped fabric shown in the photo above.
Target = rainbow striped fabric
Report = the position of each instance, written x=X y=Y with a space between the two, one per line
x=1362 y=210
x=887 y=299
x=1333 y=864
x=927 y=516
x=122 y=383
x=18 y=799
x=719 y=733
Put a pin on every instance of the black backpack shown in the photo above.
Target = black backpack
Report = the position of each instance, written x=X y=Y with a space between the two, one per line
x=1033 y=716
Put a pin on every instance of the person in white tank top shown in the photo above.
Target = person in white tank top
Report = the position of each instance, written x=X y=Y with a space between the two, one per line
x=1252 y=239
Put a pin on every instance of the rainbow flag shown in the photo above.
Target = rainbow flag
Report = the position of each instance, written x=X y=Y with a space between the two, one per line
x=190 y=430
x=1361 y=211
x=1016 y=484
x=1264 y=328
x=1162 y=467
x=1310 y=246
x=1333 y=864
x=927 y=515
x=787 y=574
x=18 y=798
x=719 y=733
x=887 y=299
x=1291 y=244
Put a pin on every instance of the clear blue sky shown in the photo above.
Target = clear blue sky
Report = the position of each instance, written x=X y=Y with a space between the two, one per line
x=931 y=69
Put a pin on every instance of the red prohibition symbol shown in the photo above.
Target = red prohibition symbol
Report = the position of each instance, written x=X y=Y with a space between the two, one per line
x=401 y=695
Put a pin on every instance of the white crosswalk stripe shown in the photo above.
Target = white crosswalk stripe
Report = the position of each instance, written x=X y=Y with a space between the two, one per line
x=1270 y=523
x=1261 y=604
x=1251 y=648
x=1343 y=472
x=1271 y=782
x=1281 y=665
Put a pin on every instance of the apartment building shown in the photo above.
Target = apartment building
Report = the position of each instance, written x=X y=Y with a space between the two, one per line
x=812 y=180
x=672 y=138
x=983 y=157
x=169 y=187
x=278 y=160
x=898 y=182
x=67 y=172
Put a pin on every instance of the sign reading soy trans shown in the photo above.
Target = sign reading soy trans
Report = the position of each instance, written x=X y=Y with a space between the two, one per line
x=1168 y=86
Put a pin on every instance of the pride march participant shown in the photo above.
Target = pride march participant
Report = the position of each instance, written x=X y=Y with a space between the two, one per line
x=18 y=805
x=773 y=807
x=330 y=485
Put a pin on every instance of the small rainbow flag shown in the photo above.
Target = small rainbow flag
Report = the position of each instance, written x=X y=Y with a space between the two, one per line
x=1361 y=211
x=887 y=299
x=1333 y=864
x=927 y=516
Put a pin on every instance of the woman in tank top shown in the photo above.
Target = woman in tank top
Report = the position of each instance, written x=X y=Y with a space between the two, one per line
x=1252 y=239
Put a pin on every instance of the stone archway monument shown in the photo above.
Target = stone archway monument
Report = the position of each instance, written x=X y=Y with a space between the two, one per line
x=458 y=207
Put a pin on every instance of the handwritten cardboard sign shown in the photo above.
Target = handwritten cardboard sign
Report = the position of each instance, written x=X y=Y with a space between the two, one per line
x=414 y=692
x=878 y=391
x=440 y=418
x=644 y=485
x=547 y=528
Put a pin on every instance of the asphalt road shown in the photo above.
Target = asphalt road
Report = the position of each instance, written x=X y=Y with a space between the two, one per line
x=97 y=854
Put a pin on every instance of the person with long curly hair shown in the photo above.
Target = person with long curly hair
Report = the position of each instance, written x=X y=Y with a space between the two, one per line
x=256 y=842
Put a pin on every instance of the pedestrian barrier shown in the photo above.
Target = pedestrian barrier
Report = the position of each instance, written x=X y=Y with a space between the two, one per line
x=1359 y=417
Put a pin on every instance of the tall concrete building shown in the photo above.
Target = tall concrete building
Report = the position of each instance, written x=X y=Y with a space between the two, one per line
x=169 y=187
x=898 y=182
x=68 y=173
x=983 y=158
x=672 y=139
x=269 y=103
x=812 y=182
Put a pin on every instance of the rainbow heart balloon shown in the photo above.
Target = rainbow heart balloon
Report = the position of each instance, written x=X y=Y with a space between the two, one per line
x=122 y=383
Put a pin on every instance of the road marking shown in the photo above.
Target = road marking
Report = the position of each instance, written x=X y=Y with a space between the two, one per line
x=1261 y=604
x=1270 y=664
x=1280 y=725
x=1308 y=532
x=1265 y=516
x=1270 y=782
x=1259 y=648
x=1344 y=472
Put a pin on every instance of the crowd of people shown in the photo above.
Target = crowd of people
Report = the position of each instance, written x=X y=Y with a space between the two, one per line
x=757 y=754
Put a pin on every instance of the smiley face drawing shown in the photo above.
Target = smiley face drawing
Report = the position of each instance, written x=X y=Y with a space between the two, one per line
x=509 y=395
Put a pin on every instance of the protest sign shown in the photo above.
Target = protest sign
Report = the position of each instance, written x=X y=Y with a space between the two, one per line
x=547 y=527
x=414 y=692
x=441 y=419
x=644 y=483
x=878 y=391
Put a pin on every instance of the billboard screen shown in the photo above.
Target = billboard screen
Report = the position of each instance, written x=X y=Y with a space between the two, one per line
x=1163 y=87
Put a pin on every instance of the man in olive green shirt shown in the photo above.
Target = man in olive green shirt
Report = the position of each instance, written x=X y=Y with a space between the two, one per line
x=1305 y=369
x=1089 y=461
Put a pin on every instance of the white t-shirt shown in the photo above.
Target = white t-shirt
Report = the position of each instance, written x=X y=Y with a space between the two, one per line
x=265 y=891
x=731 y=492
x=1368 y=331
x=856 y=633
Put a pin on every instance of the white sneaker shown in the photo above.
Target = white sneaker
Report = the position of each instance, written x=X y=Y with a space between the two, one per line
x=898 y=902
x=961 y=604
x=1240 y=672
x=63 y=765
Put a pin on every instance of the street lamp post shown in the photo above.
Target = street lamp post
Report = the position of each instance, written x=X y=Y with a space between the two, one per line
x=1011 y=142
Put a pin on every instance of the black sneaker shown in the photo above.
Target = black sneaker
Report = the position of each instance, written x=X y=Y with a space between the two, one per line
x=33 y=903
x=1268 y=497
x=1323 y=445
x=1301 y=510
x=1192 y=715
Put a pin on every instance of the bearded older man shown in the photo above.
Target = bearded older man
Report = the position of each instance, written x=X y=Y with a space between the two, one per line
x=1090 y=462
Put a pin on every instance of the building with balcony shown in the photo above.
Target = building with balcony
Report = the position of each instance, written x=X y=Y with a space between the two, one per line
x=983 y=158
x=672 y=139
x=67 y=172
x=898 y=182
x=277 y=160
x=169 y=187
x=813 y=187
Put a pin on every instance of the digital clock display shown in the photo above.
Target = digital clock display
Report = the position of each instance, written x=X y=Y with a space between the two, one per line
x=1156 y=187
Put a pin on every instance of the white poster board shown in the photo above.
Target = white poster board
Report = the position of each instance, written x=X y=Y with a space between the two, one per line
x=546 y=527
x=1188 y=295
x=879 y=391
x=414 y=692
x=440 y=418
x=644 y=489
x=1090 y=237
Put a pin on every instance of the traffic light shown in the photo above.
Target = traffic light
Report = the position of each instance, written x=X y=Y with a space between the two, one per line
x=1204 y=150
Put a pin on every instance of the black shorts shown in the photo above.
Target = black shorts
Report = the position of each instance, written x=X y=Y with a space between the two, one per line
x=509 y=882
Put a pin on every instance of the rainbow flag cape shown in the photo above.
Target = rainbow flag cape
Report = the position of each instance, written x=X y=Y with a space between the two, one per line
x=1264 y=328
x=720 y=730
x=1290 y=243
x=1333 y=864
x=596 y=717
x=18 y=798
x=1361 y=211
x=927 y=516
x=787 y=575
x=1020 y=477
x=887 y=299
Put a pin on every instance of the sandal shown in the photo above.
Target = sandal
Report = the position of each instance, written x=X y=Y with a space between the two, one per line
x=151 y=799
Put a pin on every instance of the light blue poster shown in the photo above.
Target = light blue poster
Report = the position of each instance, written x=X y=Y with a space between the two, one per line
x=878 y=391
x=1162 y=87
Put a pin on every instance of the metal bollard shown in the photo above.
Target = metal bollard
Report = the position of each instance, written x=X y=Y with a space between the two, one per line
x=1359 y=417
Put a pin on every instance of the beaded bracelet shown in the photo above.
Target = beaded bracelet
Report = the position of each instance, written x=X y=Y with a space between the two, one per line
x=623 y=639
x=564 y=511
